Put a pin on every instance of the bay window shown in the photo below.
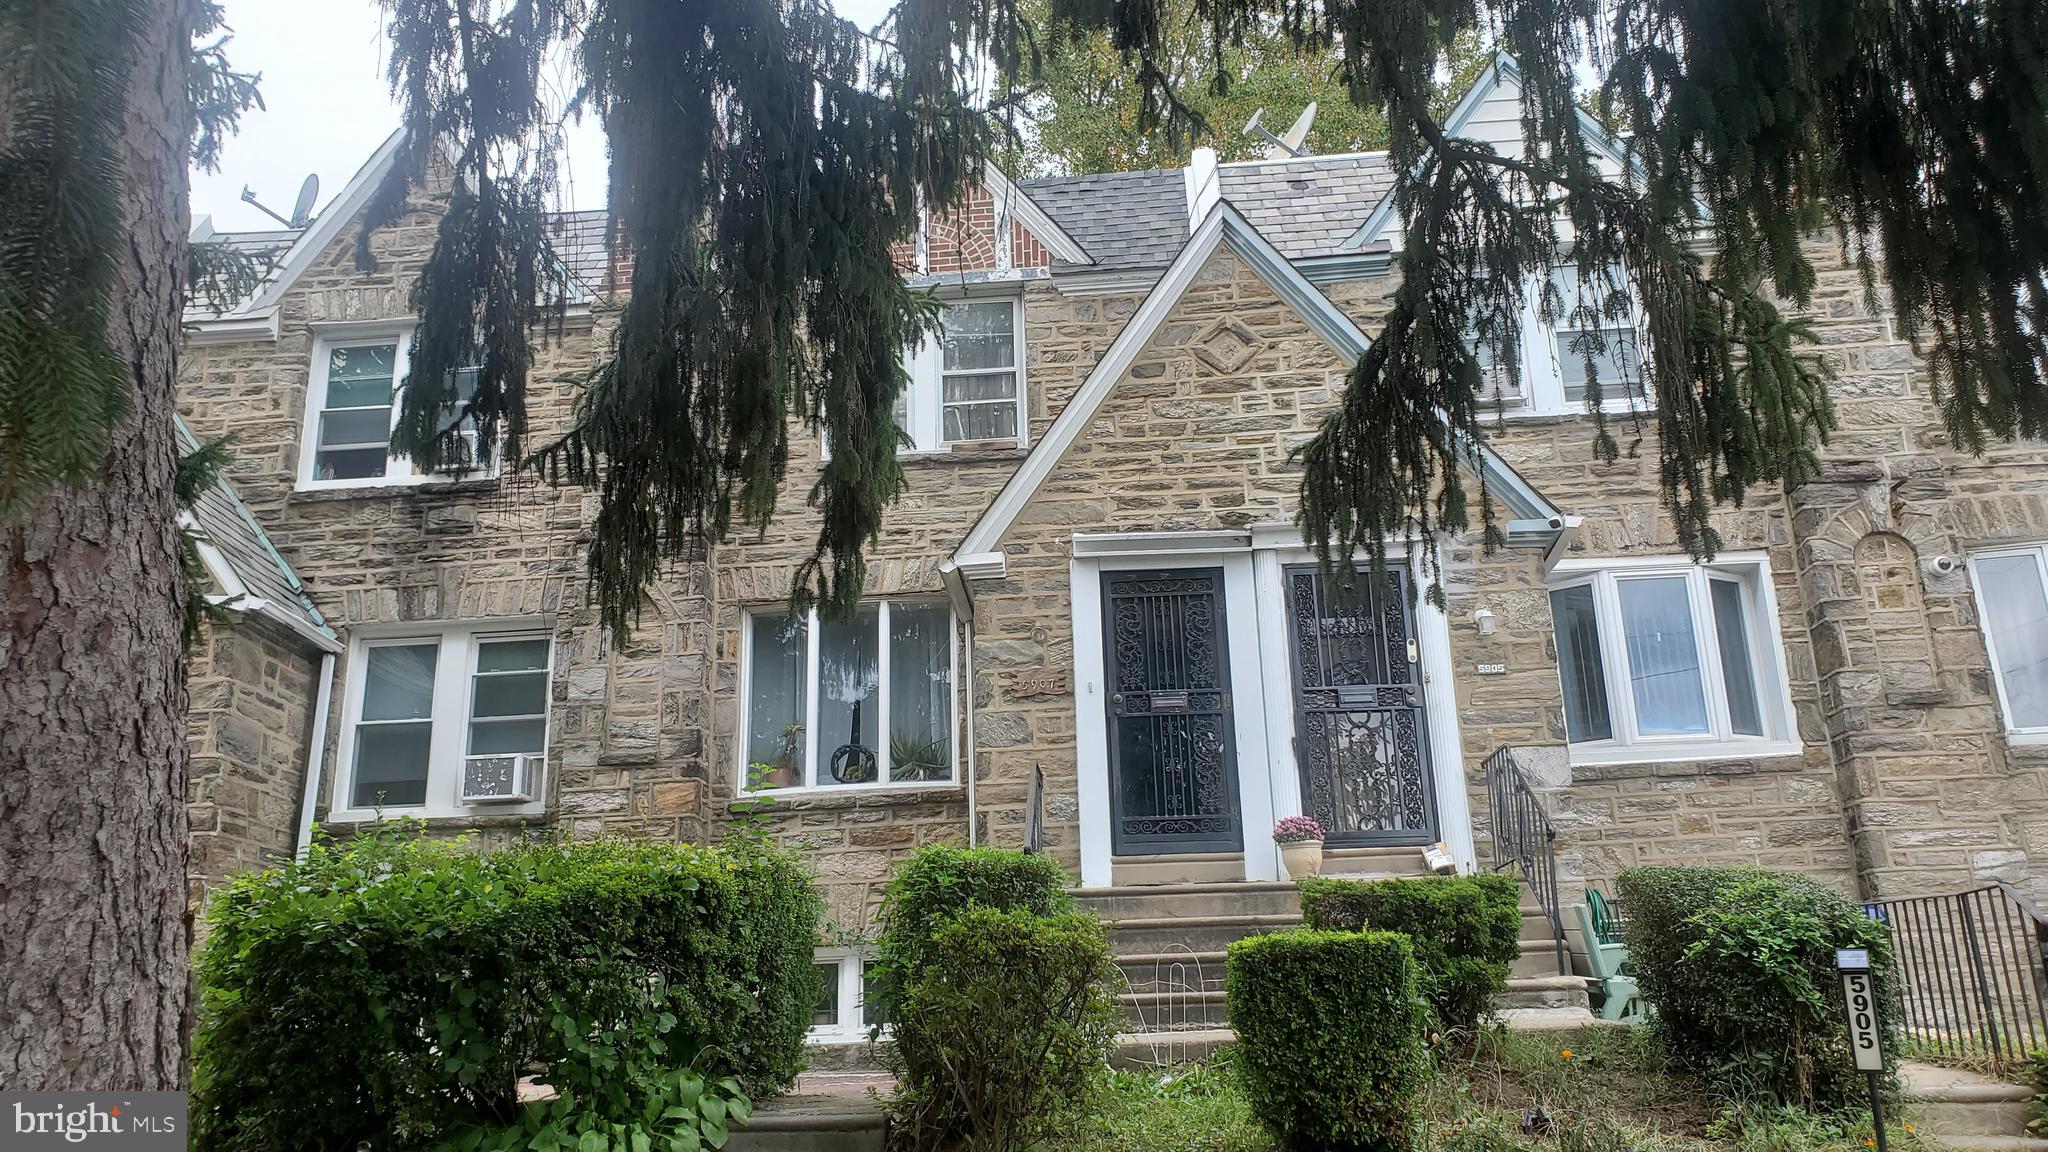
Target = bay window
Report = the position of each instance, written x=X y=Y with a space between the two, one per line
x=445 y=720
x=1667 y=660
x=864 y=701
x=2012 y=600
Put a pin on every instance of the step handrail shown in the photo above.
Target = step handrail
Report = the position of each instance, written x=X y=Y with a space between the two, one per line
x=1524 y=838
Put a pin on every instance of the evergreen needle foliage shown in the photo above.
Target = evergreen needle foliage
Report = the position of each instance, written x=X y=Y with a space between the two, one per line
x=766 y=154
x=63 y=103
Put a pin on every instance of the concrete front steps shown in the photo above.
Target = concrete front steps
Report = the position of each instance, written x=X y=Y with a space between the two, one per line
x=1169 y=941
x=1967 y=1112
x=823 y=1112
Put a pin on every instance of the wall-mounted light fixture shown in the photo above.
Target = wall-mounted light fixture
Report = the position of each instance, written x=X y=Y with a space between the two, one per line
x=1485 y=620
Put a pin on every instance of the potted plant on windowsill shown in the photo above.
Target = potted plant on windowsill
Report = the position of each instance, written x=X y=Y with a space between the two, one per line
x=1301 y=846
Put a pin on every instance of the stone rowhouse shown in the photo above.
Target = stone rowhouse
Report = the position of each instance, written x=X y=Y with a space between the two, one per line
x=1094 y=572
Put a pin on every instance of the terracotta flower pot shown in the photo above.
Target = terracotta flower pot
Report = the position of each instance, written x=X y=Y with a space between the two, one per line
x=1303 y=858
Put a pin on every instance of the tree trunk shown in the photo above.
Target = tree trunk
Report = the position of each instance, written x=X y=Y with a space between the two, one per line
x=94 y=949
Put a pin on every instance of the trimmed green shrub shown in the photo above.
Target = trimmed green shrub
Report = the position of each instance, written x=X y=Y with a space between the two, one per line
x=1739 y=964
x=1466 y=929
x=941 y=881
x=1329 y=1028
x=1004 y=1031
x=388 y=993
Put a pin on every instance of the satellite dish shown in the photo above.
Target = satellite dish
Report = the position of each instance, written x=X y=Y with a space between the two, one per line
x=302 y=208
x=1282 y=146
x=1296 y=135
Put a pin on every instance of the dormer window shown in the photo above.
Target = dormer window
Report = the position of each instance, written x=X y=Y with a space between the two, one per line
x=968 y=385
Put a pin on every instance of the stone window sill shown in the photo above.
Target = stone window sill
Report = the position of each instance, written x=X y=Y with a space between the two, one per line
x=480 y=820
x=853 y=796
x=386 y=491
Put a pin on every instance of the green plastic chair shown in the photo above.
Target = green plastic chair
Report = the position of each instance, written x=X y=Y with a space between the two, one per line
x=1606 y=956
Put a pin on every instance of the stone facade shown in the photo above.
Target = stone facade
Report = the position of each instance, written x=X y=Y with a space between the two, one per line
x=250 y=690
x=1902 y=782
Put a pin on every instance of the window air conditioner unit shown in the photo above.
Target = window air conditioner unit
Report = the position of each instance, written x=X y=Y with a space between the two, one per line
x=498 y=779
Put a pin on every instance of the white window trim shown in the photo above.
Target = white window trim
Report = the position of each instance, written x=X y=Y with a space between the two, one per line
x=853 y=1017
x=453 y=668
x=923 y=399
x=882 y=782
x=1767 y=652
x=398 y=471
x=2015 y=735
x=1542 y=371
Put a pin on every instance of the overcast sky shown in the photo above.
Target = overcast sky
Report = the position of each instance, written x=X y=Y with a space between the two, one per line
x=328 y=108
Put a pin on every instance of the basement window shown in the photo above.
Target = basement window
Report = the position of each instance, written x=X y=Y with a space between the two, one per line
x=1664 y=660
x=846 y=982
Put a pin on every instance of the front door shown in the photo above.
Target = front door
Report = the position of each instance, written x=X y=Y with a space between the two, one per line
x=1360 y=737
x=1172 y=760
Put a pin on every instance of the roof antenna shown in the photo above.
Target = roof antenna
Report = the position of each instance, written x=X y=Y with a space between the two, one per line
x=1289 y=144
x=302 y=208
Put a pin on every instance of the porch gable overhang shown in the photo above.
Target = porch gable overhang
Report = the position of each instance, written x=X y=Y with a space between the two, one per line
x=1533 y=521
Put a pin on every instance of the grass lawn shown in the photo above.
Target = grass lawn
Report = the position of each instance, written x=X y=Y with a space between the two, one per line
x=1505 y=1093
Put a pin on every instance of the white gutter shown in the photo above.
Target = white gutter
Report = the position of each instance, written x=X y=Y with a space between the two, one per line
x=316 y=757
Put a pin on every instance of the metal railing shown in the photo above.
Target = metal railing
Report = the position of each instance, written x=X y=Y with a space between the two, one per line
x=1524 y=838
x=1971 y=971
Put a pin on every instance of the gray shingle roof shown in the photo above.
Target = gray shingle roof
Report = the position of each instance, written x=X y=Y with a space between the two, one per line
x=224 y=522
x=1308 y=207
x=1123 y=219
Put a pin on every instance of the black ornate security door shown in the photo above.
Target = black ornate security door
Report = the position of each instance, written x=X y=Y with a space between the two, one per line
x=1172 y=760
x=1360 y=735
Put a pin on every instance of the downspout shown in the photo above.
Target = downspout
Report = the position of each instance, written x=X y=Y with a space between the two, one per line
x=963 y=610
x=316 y=756
x=972 y=833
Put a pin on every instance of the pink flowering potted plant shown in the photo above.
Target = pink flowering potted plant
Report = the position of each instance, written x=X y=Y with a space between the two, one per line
x=1301 y=845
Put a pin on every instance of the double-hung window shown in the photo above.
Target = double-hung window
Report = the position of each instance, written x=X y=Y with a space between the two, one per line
x=968 y=384
x=2012 y=600
x=866 y=701
x=444 y=720
x=1596 y=335
x=1668 y=660
x=352 y=403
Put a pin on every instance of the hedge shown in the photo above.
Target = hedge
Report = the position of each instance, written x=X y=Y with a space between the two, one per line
x=1467 y=931
x=1008 y=1027
x=941 y=881
x=1739 y=964
x=389 y=993
x=1329 y=1028
x=994 y=988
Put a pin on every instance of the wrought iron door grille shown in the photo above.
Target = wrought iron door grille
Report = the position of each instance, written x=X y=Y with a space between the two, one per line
x=1360 y=736
x=1172 y=765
